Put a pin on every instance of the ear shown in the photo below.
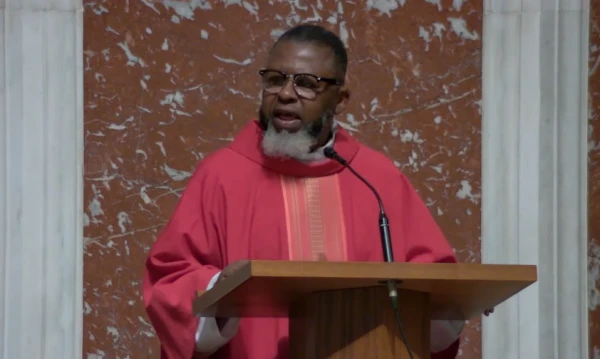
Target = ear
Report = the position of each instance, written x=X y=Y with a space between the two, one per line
x=343 y=98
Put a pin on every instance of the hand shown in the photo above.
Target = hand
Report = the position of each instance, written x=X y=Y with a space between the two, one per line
x=487 y=312
x=232 y=268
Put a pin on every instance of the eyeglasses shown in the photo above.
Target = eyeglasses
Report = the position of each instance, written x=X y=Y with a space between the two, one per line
x=305 y=85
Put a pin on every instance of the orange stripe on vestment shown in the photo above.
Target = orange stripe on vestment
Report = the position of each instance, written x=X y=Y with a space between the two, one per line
x=314 y=218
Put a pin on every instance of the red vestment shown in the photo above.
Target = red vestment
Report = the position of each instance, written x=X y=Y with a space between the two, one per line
x=241 y=204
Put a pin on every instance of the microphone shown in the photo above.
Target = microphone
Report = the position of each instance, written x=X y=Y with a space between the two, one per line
x=384 y=232
x=384 y=224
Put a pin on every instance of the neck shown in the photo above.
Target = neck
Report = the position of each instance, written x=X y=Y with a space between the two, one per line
x=323 y=140
x=326 y=139
x=317 y=153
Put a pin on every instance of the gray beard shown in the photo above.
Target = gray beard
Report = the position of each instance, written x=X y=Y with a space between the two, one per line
x=295 y=145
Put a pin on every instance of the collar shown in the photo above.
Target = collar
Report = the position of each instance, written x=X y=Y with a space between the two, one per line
x=248 y=144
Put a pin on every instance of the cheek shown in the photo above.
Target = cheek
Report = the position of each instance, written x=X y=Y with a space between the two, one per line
x=315 y=110
x=266 y=104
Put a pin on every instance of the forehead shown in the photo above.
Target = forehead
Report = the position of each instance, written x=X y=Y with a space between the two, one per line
x=302 y=57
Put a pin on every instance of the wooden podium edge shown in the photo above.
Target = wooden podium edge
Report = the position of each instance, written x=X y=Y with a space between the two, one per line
x=396 y=270
x=210 y=297
x=365 y=270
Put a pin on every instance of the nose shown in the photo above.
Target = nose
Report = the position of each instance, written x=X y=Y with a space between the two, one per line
x=288 y=92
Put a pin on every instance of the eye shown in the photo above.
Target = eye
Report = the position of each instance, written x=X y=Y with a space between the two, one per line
x=306 y=81
x=272 y=78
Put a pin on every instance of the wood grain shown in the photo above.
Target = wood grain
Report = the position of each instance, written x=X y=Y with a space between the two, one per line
x=358 y=323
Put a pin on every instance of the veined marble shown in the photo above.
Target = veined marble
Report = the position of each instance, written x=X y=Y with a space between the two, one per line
x=594 y=181
x=167 y=82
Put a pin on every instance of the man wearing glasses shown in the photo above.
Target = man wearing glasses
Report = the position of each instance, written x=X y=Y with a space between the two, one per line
x=272 y=194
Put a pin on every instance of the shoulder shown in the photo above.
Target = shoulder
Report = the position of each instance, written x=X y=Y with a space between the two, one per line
x=216 y=161
x=216 y=166
x=380 y=169
x=375 y=161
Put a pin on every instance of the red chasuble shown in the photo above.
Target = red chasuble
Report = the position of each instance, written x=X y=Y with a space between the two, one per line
x=241 y=204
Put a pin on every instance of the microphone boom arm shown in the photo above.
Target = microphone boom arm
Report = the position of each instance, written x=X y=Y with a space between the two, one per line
x=384 y=223
x=386 y=240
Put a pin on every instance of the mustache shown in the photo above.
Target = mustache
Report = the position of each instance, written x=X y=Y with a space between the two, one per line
x=314 y=128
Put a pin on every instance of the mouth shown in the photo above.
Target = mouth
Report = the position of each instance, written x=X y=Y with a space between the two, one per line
x=287 y=120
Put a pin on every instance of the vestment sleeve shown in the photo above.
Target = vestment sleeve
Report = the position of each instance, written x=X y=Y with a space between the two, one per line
x=424 y=242
x=183 y=260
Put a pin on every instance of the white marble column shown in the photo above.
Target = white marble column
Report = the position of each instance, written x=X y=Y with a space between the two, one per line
x=41 y=175
x=534 y=196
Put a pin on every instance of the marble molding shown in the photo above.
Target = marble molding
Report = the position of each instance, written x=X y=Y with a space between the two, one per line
x=167 y=82
x=594 y=181
x=534 y=209
x=41 y=184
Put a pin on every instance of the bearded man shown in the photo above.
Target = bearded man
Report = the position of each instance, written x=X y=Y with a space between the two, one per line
x=273 y=195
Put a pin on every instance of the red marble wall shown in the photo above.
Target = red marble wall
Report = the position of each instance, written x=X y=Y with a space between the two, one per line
x=594 y=181
x=169 y=81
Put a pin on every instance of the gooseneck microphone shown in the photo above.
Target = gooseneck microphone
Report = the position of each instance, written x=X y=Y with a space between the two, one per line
x=386 y=241
x=384 y=224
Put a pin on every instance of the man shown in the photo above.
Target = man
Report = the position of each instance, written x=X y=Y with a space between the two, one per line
x=272 y=194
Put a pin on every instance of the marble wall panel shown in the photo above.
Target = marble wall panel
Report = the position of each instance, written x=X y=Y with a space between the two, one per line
x=168 y=81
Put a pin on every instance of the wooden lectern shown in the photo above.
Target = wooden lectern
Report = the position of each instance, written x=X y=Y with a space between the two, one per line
x=342 y=310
